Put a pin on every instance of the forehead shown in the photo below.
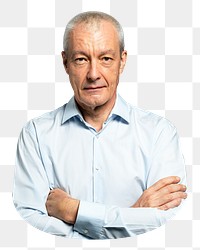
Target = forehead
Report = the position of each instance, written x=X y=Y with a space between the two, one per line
x=102 y=33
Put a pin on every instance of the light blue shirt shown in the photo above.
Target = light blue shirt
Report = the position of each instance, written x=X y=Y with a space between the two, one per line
x=107 y=170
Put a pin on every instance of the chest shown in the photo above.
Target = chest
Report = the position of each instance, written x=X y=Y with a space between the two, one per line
x=108 y=167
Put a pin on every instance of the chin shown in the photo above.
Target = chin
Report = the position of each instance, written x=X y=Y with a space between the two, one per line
x=95 y=103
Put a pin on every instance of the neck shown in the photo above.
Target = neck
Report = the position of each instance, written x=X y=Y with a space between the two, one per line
x=96 y=116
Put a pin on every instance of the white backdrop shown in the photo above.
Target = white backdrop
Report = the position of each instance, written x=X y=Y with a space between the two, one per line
x=162 y=75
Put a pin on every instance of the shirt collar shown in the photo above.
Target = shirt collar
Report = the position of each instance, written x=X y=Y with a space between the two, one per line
x=120 y=109
x=70 y=110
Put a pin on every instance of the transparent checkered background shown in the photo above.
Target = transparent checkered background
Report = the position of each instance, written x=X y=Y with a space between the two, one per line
x=162 y=75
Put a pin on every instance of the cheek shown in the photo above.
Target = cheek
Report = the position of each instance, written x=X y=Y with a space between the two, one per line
x=74 y=84
x=111 y=74
x=76 y=80
x=114 y=77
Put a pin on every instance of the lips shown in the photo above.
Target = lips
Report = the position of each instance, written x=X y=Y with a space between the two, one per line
x=94 y=87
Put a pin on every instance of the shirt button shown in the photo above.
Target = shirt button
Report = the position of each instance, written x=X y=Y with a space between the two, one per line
x=85 y=231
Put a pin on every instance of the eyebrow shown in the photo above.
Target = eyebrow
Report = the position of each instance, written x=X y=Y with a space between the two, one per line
x=76 y=52
x=81 y=52
x=109 y=51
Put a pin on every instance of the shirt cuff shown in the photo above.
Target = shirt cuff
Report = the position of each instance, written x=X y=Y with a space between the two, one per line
x=90 y=219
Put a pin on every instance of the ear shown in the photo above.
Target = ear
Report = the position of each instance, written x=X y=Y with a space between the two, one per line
x=64 y=57
x=123 y=61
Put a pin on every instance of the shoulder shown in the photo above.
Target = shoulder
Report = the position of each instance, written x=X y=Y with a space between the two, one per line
x=46 y=120
x=149 y=120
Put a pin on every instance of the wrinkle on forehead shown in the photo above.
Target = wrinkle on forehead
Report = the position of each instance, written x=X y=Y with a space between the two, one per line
x=93 y=34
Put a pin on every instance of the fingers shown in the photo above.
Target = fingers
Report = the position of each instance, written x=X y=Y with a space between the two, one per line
x=164 y=182
x=58 y=191
x=172 y=188
x=167 y=194
x=164 y=194
x=51 y=193
x=171 y=198
x=172 y=204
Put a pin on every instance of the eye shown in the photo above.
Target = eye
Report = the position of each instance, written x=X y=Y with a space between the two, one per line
x=107 y=60
x=80 y=60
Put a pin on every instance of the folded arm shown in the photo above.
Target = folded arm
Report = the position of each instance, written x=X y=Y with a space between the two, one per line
x=112 y=222
x=93 y=220
x=31 y=187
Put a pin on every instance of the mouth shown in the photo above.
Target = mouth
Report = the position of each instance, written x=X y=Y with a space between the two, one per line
x=94 y=88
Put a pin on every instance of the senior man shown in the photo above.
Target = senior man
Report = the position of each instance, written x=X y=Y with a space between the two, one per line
x=97 y=168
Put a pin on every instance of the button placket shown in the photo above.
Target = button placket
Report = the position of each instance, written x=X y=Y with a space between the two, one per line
x=97 y=172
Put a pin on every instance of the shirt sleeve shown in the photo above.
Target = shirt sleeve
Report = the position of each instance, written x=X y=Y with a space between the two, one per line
x=98 y=221
x=103 y=222
x=166 y=156
x=31 y=186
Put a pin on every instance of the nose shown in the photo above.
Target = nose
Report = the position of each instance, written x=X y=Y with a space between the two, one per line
x=93 y=72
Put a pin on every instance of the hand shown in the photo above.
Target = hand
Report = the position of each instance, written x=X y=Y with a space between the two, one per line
x=164 y=194
x=61 y=205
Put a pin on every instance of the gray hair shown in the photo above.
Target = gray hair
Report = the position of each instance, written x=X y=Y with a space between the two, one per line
x=92 y=17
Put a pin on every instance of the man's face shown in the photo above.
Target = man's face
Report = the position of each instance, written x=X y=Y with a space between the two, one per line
x=94 y=64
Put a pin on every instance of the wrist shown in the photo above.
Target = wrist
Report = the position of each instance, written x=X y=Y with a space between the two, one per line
x=71 y=210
